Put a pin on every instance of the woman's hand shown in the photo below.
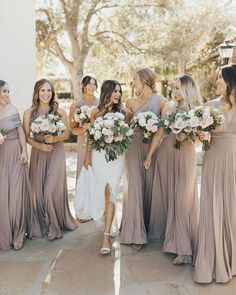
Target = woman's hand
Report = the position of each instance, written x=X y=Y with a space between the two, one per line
x=2 y=139
x=204 y=135
x=88 y=161
x=24 y=157
x=46 y=147
x=49 y=138
x=147 y=162
x=85 y=126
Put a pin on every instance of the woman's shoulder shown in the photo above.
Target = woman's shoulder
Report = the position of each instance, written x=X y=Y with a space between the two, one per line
x=74 y=105
x=28 y=111
x=61 y=112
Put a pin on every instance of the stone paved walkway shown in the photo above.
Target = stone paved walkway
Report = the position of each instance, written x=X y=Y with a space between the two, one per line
x=73 y=266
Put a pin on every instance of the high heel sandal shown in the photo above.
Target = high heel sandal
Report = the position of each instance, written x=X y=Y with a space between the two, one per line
x=105 y=250
x=137 y=247
x=182 y=259
x=18 y=245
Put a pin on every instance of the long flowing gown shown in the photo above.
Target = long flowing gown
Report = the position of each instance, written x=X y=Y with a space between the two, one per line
x=138 y=184
x=174 y=211
x=216 y=256
x=89 y=199
x=81 y=143
x=17 y=217
x=49 y=188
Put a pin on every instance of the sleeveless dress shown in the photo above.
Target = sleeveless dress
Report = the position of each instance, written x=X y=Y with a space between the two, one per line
x=81 y=143
x=174 y=211
x=138 y=184
x=17 y=216
x=216 y=256
x=49 y=187
x=89 y=199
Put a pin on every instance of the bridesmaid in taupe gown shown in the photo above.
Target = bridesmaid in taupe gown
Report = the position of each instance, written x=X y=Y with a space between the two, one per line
x=174 y=209
x=16 y=210
x=137 y=198
x=47 y=166
x=89 y=86
x=216 y=255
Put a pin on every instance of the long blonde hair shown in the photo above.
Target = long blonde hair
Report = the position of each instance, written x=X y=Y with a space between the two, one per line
x=190 y=91
x=147 y=77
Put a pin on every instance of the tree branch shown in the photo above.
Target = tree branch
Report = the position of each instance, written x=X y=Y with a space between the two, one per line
x=140 y=50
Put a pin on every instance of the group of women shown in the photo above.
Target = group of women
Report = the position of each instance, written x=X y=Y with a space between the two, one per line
x=34 y=201
x=160 y=185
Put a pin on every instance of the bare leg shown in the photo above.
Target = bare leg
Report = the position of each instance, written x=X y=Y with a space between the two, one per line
x=109 y=215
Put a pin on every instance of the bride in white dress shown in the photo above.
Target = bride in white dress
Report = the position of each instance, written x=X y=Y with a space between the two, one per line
x=97 y=186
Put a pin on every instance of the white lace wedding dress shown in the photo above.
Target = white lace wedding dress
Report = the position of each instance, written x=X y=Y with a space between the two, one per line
x=89 y=199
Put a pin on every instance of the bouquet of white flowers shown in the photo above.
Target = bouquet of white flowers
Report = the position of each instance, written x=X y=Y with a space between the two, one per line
x=47 y=125
x=148 y=122
x=2 y=136
x=179 y=123
x=111 y=134
x=82 y=114
x=205 y=119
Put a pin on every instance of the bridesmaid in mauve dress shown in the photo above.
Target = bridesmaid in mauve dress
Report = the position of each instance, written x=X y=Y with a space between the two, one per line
x=174 y=209
x=47 y=166
x=137 y=197
x=17 y=217
x=89 y=86
x=216 y=255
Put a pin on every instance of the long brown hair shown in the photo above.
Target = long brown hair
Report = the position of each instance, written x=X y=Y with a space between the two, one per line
x=107 y=89
x=35 y=101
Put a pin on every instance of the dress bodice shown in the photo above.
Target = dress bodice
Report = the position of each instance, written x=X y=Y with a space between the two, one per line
x=9 y=126
x=153 y=105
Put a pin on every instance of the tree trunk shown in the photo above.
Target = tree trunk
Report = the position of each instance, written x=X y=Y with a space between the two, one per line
x=76 y=77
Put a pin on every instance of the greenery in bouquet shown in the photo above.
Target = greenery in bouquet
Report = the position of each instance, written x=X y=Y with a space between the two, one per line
x=111 y=134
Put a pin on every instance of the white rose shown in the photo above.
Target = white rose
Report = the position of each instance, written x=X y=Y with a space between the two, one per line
x=206 y=121
x=142 y=122
x=44 y=125
x=109 y=139
x=191 y=113
x=105 y=131
x=194 y=121
x=118 y=138
x=154 y=128
x=52 y=129
x=108 y=123
x=129 y=132
x=150 y=121
x=180 y=123
x=97 y=126
x=97 y=135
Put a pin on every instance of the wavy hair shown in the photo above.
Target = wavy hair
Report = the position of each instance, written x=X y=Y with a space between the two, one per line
x=229 y=76
x=107 y=89
x=35 y=101
x=190 y=91
x=147 y=77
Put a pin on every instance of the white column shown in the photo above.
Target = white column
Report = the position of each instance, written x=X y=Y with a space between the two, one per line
x=17 y=49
